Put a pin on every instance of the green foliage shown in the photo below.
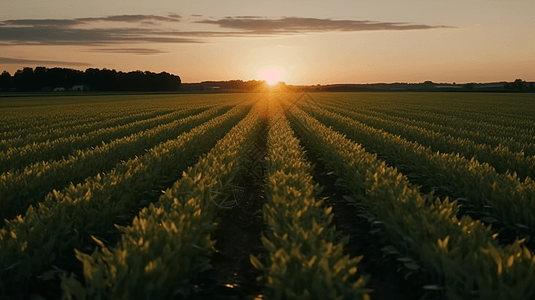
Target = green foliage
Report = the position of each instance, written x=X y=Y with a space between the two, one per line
x=304 y=261
x=486 y=119
x=21 y=188
x=66 y=217
x=461 y=251
x=75 y=168
x=19 y=157
x=168 y=243
x=499 y=157
x=509 y=197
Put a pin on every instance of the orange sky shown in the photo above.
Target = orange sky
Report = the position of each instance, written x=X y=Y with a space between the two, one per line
x=310 y=42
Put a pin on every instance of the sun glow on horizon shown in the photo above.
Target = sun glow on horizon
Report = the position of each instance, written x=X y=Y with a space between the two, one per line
x=272 y=76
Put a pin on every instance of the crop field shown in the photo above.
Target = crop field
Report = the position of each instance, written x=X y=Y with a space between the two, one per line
x=268 y=196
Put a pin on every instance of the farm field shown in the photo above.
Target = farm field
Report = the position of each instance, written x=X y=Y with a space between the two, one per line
x=268 y=196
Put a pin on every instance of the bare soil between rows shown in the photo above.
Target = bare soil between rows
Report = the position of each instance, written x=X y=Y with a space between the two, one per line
x=388 y=278
x=238 y=234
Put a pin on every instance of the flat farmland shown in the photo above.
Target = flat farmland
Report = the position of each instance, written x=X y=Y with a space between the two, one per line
x=268 y=196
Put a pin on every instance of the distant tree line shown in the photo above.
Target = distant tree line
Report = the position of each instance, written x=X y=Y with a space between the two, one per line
x=44 y=79
x=235 y=86
x=519 y=85
x=229 y=86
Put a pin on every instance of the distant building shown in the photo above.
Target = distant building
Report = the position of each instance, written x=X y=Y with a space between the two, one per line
x=59 y=89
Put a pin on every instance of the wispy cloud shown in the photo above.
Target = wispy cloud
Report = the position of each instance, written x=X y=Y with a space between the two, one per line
x=82 y=31
x=7 y=60
x=139 y=51
x=135 y=18
x=82 y=21
x=60 y=35
x=292 y=25
x=246 y=17
x=137 y=29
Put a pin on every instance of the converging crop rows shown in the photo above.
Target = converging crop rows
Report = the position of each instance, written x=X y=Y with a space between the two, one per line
x=130 y=197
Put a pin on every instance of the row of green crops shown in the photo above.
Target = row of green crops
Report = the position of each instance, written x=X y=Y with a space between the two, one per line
x=304 y=260
x=56 y=225
x=169 y=242
x=31 y=135
x=509 y=198
x=55 y=149
x=18 y=189
x=506 y=110
x=501 y=158
x=46 y=114
x=449 y=110
x=116 y=198
x=493 y=118
x=461 y=252
x=26 y=125
x=469 y=133
x=489 y=124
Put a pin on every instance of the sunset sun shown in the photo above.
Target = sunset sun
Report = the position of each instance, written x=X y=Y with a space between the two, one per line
x=271 y=76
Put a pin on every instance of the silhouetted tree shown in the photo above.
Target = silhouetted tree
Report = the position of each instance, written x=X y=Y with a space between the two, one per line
x=518 y=84
x=40 y=79
x=23 y=80
x=30 y=80
x=5 y=81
